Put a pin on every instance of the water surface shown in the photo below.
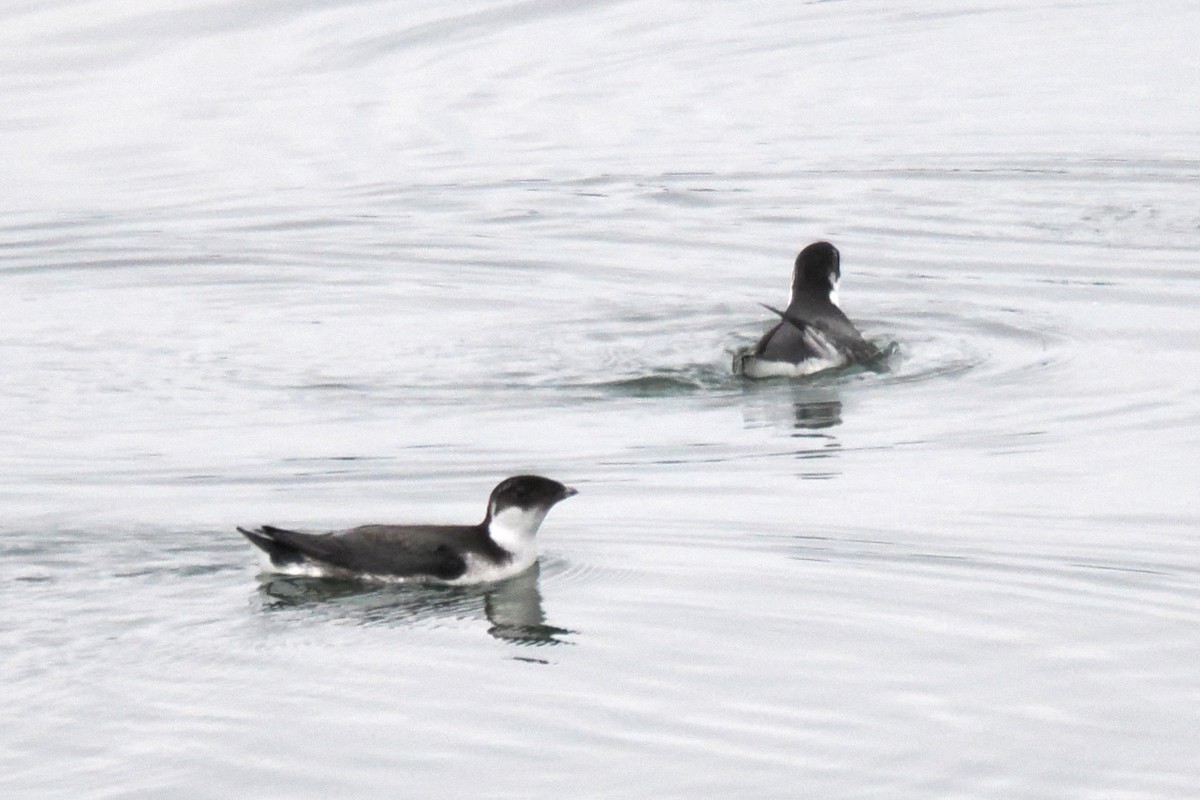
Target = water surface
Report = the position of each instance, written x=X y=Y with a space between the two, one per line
x=328 y=263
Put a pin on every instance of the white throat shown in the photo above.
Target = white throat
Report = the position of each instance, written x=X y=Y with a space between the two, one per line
x=833 y=293
x=514 y=529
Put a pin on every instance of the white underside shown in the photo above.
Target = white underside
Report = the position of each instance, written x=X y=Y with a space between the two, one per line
x=826 y=357
x=514 y=530
x=313 y=569
x=753 y=367
x=478 y=571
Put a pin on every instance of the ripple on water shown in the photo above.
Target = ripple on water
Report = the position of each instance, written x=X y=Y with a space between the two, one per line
x=664 y=382
x=558 y=570
x=1045 y=575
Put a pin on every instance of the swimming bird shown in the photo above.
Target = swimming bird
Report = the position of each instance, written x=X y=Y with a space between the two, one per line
x=813 y=334
x=499 y=547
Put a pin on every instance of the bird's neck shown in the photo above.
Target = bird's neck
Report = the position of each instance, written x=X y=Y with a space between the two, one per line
x=514 y=528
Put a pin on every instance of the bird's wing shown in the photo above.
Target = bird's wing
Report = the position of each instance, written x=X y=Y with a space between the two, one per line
x=854 y=347
x=375 y=549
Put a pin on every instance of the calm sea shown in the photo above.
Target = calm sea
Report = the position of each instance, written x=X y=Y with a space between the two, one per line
x=331 y=262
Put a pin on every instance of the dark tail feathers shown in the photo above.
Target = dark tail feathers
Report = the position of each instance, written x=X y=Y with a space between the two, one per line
x=281 y=554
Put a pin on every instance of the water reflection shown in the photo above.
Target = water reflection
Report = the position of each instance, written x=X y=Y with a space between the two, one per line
x=512 y=607
x=800 y=407
x=812 y=414
x=808 y=414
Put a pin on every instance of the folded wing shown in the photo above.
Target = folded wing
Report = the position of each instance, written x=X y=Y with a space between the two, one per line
x=400 y=551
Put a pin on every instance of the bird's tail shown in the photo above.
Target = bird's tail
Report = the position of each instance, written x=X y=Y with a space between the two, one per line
x=281 y=553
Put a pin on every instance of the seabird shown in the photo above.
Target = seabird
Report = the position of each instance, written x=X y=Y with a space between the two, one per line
x=499 y=547
x=813 y=334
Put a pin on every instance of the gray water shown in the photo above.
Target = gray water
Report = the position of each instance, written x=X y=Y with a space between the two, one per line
x=335 y=262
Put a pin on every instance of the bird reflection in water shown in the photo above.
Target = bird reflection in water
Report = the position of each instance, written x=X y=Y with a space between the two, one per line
x=815 y=414
x=513 y=607
x=791 y=405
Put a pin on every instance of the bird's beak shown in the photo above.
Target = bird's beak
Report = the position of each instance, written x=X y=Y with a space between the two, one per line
x=569 y=491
